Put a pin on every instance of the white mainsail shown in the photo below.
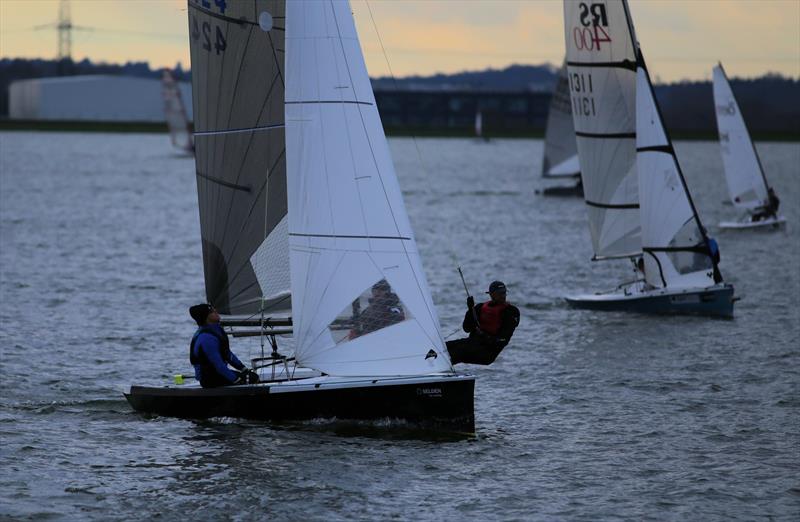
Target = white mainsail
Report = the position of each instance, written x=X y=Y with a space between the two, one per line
x=560 y=150
x=601 y=61
x=351 y=243
x=747 y=184
x=478 y=124
x=675 y=248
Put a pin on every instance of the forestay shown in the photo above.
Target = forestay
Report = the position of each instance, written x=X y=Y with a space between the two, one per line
x=676 y=252
x=238 y=94
x=560 y=150
x=175 y=113
x=747 y=184
x=601 y=62
x=360 y=301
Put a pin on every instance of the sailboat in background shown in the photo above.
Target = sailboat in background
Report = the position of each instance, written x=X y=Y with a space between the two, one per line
x=747 y=183
x=560 y=159
x=638 y=202
x=301 y=211
x=180 y=132
x=479 y=126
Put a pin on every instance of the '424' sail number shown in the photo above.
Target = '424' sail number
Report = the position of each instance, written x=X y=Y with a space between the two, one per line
x=202 y=32
x=206 y=4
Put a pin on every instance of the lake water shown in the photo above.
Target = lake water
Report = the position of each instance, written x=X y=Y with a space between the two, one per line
x=585 y=416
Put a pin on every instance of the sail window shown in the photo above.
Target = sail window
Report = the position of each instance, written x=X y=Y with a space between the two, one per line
x=694 y=258
x=265 y=21
x=376 y=308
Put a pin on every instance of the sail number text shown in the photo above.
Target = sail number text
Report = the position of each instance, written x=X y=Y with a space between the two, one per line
x=221 y=5
x=202 y=32
x=591 y=34
x=580 y=85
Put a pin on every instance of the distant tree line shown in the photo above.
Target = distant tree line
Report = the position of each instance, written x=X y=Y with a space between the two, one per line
x=769 y=103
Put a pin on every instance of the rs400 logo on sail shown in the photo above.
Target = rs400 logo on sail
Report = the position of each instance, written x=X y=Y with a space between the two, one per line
x=591 y=35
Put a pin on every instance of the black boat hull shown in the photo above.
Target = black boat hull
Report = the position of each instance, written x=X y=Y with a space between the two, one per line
x=439 y=403
x=716 y=302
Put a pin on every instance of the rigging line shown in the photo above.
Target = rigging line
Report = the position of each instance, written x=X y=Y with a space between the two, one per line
x=235 y=131
x=413 y=139
x=431 y=314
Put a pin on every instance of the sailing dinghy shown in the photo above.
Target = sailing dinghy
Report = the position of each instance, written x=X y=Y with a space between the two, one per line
x=180 y=132
x=637 y=199
x=747 y=183
x=560 y=160
x=301 y=210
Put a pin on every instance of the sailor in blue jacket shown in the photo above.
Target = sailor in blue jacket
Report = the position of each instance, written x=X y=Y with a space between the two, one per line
x=210 y=352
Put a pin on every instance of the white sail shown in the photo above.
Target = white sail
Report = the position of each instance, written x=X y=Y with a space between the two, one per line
x=560 y=150
x=175 y=113
x=675 y=248
x=746 y=182
x=601 y=60
x=478 y=124
x=349 y=235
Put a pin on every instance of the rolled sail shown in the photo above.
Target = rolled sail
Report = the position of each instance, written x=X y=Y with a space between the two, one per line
x=237 y=53
x=601 y=61
x=360 y=302
x=747 y=184
x=560 y=149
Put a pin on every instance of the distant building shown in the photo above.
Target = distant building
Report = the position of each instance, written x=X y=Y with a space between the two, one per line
x=91 y=98
x=445 y=110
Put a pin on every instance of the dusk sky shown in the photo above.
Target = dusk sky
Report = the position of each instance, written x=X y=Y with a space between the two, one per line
x=682 y=39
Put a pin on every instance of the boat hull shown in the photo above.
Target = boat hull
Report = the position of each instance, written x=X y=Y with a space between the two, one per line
x=764 y=224
x=562 y=191
x=716 y=301
x=436 y=402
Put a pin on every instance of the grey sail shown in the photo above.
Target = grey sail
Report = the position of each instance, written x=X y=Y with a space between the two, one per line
x=238 y=99
x=560 y=149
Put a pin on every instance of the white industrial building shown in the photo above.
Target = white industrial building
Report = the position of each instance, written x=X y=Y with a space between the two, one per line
x=91 y=98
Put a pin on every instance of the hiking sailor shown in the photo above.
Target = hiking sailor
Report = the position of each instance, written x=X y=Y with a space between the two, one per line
x=496 y=322
x=210 y=352
x=770 y=209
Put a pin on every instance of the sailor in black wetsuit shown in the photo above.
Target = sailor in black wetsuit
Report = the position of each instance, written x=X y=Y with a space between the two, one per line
x=210 y=352
x=496 y=322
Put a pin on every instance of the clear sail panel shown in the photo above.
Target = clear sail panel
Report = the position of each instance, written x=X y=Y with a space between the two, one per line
x=376 y=308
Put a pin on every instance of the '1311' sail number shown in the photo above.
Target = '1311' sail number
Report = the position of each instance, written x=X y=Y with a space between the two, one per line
x=580 y=85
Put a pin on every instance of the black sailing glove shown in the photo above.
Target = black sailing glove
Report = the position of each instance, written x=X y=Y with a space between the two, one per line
x=470 y=302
